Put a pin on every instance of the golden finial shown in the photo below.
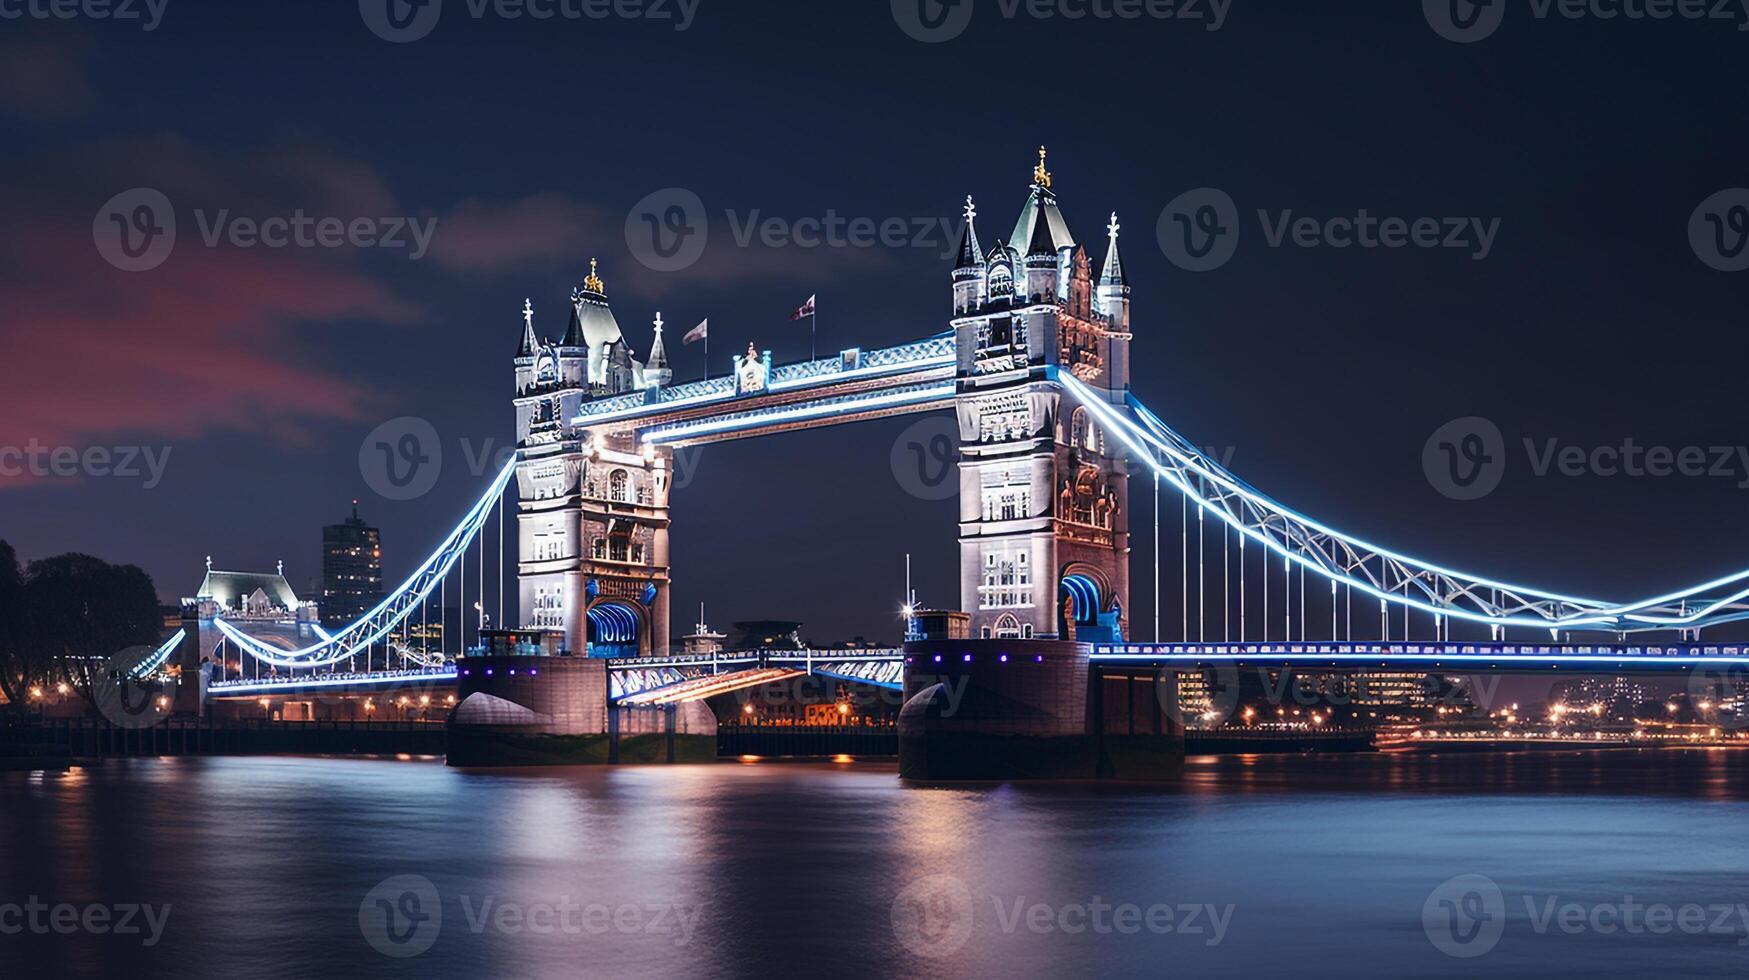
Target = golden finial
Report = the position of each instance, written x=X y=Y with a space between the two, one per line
x=594 y=283
x=1040 y=175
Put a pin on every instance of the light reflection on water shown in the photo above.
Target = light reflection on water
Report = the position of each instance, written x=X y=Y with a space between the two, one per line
x=1326 y=862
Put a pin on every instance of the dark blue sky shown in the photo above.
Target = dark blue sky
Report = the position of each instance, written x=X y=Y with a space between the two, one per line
x=1590 y=321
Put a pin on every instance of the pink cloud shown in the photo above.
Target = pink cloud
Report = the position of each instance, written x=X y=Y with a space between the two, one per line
x=209 y=340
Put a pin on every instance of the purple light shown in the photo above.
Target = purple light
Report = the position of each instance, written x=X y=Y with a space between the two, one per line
x=1039 y=659
x=464 y=673
x=938 y=658
x=532 y=672
x=488 y=672
x=1003 y=658
x=968 y=658
x=513 y=672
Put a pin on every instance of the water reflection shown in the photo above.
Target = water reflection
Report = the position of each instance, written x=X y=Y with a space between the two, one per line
x=1312 y=865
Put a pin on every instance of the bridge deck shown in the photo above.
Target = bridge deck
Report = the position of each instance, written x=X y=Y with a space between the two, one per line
x=1413 y=656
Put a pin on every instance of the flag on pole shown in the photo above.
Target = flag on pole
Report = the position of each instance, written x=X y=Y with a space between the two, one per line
x=806 y=310
x=698 y=333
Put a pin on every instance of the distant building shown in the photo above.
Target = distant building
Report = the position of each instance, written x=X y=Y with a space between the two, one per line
x=352 y=570
x=768 y=634
x=702 y=640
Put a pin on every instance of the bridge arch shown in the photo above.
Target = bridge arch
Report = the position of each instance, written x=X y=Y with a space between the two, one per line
x=1091 y=611
x=616 y=628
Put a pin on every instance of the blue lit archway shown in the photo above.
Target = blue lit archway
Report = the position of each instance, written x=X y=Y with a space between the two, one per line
x=614 y=629
x=1085 y=610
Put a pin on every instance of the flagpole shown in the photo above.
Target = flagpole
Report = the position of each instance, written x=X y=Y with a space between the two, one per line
x=814 y=332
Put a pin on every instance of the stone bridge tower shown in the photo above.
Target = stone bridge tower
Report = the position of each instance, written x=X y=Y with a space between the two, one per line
x=592 y=509
x=1044 y=494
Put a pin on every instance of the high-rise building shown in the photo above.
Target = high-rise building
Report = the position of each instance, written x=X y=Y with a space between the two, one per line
x=352 y=570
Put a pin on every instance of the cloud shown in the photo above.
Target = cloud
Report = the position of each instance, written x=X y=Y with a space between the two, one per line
x=212 y=339
x=553 y=229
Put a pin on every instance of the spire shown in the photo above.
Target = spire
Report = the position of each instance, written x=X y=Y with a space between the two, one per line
x=529 y=343
x=1041 y=205
x=656 y=368
x=593 y=283
x=574 y=326
x=1113 y=273
x=971 y=253
x=1043 y=243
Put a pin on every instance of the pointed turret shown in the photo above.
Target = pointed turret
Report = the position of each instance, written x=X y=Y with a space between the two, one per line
x=656 y=370
x=1113 y=293
x=529 y=342
x=968 y=272
x=1042 y=200
x=1042 y=263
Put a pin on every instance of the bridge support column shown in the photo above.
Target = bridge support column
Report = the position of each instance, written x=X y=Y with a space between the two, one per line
x=1030 y=709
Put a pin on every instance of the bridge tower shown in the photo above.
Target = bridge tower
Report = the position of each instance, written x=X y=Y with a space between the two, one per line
x=592 y=509
x=1044 y=496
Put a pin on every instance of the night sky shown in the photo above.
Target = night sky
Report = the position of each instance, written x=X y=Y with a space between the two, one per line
x=1592 y=319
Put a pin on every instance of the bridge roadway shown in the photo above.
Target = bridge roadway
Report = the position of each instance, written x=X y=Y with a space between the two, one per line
x=639 y=679
x=634 y=679
x=1432 y=656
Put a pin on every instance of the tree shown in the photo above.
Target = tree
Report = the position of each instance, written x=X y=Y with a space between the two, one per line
x=15 y=674
x=80 y=611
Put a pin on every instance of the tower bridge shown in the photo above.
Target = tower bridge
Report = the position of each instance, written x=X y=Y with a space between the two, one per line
x=1035 y=365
